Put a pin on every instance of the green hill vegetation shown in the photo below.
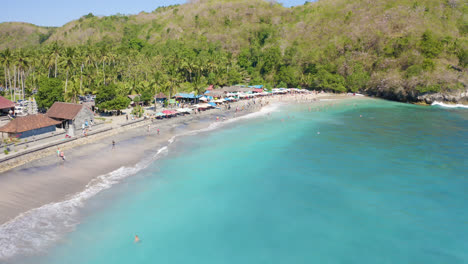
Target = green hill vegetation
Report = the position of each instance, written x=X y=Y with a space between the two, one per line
x=21 y=35
x=395 y=49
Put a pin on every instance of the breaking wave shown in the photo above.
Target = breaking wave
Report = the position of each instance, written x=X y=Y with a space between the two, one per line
x=449 y=105
x=34 y=230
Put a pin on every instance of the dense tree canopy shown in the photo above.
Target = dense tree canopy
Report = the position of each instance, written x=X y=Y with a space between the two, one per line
x=406 y=45
x=50 y=91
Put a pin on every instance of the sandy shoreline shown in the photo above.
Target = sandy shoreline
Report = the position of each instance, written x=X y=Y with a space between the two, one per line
x=47 y=179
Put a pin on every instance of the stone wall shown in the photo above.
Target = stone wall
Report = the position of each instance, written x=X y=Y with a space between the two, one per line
x=84 y=115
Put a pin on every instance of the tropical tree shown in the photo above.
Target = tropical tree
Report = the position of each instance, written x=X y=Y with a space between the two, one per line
x=50 y=91
x=6 y=60
x=55 y=52
x=68 y=62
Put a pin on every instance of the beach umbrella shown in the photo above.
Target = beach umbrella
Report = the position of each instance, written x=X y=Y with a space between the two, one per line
x=167 y=112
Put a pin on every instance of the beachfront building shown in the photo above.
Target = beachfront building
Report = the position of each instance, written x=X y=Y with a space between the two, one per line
x=160 y=97
x=72 y=117
x=133 y=102
x=6 y=106
x=187 y=97
x=31 y=125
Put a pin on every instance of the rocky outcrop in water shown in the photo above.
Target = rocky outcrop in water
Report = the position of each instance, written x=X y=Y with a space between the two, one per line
x=458 y=97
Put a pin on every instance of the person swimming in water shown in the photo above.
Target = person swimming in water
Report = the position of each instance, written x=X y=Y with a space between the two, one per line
x=137 y=239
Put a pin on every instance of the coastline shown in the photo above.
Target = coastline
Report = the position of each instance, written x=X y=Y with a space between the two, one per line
x=43 y=174
x=46 y=181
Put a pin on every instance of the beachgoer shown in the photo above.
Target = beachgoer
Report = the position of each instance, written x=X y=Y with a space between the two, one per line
x=127 y=117
x=137 y=239
x=58 y=152
x=62 y=155
x=113 y=144
x=148 y=128
x=158 y=131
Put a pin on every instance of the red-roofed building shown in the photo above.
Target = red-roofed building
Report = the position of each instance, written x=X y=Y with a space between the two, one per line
x=30 y=125
x=6 y=105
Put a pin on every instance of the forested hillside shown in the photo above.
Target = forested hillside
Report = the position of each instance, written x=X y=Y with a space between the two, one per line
x=397 y=49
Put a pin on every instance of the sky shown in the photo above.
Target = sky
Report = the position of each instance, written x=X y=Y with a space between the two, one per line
x=56 y=13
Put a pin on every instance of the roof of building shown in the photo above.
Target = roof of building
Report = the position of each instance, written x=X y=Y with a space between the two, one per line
x=160 y=96
x=27 y=123
x=186 y=96
x=62 y=110
x=132 y=96
x=5 y=103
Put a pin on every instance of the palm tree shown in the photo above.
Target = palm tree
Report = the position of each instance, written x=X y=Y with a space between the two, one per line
x=22 y=61
x=6 y=59
x=104 y=58
x=69 y=62
x=56 y=50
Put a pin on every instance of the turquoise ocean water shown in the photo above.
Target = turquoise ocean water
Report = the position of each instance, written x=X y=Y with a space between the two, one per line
x=354 y=181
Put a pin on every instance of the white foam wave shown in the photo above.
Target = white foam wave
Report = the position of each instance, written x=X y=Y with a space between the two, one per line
x=449 y=105
x=35 y=229
x=262 y=112
x=38 y=228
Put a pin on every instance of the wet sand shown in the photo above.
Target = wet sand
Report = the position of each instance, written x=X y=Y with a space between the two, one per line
x=49 y=179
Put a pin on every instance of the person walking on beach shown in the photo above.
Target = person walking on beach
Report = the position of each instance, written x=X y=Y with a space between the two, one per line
x=158 y=131
x=62 y=155
x=113 y=144
x=58 y=152
x=126 y=116
x=148 y=128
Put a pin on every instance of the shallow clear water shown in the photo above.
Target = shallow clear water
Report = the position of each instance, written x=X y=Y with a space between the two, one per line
x=296 y=186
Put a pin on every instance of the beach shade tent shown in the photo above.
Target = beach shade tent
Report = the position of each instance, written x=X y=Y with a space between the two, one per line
x=71 y=116
x=160 y=115
x=258 y=90
x=184 y=110
x=212 y=104
x=6 y=105
x=203 y=106
x=203 y=98
x=167 y=112
x=31 y=125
